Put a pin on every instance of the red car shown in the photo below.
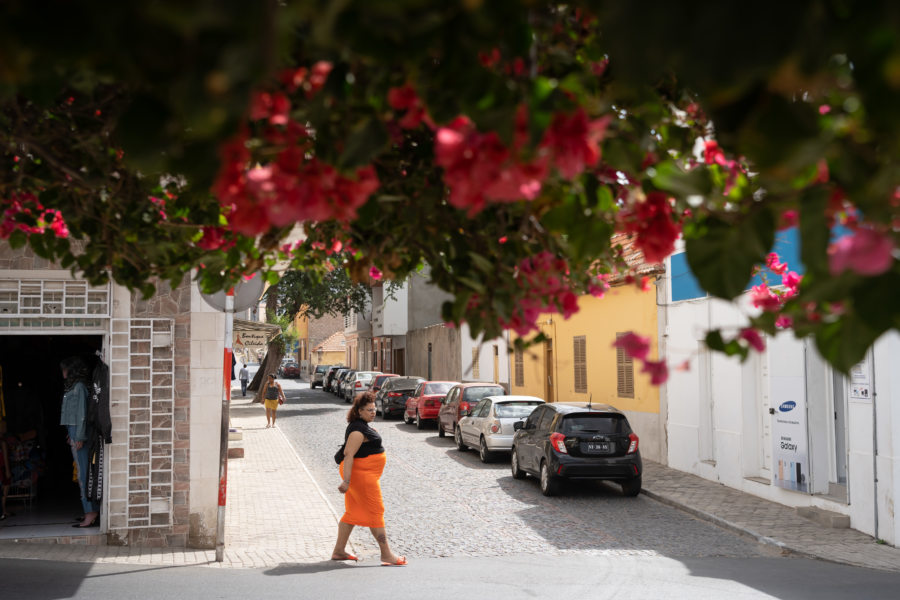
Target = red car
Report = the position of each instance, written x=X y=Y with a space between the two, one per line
x=379 y=381
x=291 y=370
x=462 y=399
x=425 y=403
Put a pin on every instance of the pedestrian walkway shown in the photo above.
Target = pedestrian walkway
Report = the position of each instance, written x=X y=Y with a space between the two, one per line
x=768 y=522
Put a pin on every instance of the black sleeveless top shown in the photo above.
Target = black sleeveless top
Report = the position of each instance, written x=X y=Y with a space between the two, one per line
x=371 y=445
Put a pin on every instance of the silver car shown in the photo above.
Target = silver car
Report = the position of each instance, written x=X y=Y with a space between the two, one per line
x=357 y=383
x=489 y=426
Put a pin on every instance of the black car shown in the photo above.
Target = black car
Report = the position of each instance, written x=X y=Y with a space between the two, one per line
x=329 y=377
x=391 y=398
x=563 y=441
x=335 y=387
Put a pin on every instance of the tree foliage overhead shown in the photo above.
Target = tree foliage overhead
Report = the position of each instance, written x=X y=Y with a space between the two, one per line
x=503 y=143
x=305 y=292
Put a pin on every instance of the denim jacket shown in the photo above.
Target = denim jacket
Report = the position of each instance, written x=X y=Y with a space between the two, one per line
x=74 y=410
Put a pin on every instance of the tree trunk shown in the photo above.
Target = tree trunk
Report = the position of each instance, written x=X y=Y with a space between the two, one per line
x=274 y=352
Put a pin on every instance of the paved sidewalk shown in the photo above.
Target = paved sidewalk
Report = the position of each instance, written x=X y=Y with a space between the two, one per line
x=275 y=513
x=768 y=522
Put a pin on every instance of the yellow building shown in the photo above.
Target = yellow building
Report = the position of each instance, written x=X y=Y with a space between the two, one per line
x=332 y=351
x=578 y=362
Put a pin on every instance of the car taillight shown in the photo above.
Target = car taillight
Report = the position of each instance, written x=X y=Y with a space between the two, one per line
x=495 y=428
x=558 y=441
x=358 y=384
x=633 y=443
x=394 y=394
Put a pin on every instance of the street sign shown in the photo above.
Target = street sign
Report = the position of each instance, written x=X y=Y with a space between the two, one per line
x=246 y=294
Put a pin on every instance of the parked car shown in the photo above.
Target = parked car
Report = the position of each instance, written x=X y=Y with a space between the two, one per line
x=391 y=398
x=460 y=400
x=345 y=380
x=329 y=377
x=290 y=370
x=318 y=377
x=425 y=402
x=358 y=383
x=379 y=381
x=338 y=379
x=564 y=441
x=490 y=426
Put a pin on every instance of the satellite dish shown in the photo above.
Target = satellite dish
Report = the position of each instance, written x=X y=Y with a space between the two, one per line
x=246 y=294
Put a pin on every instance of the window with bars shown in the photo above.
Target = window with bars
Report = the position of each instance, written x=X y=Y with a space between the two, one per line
x=520 y=367
x=624 y=372
x=580 y=364
x=476 y=372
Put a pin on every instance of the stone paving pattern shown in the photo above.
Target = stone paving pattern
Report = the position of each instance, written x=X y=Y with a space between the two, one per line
x=283 y=506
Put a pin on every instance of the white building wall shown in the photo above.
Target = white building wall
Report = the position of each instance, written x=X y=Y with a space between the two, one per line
x=485 y=358
x=207 y=371
x=395 y=312
x=717 y=426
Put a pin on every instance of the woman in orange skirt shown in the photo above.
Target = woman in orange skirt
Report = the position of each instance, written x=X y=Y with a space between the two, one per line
x=361 y=471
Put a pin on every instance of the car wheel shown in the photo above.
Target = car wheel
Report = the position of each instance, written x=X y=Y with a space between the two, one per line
x=457 y=437
x=484 y=454
x=406 y=419
x=632 y=487
x=420 y=424
x=517 y=473
x=440 y=428
x=549 y=483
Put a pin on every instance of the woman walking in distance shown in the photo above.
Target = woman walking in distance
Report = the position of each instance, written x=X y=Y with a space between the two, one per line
x=274 y=397
x=73 y=415
x=361 y=471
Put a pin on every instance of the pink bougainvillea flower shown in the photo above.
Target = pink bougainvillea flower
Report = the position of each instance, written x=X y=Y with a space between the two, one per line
x=375 y=273
x=272 y=106
x=784 y=322
x=574 y=142
x=866 y=251
x=789 y=218
x=824 y=109
x=712 y=153
x=791 y=280
x=503 y=240
x=652 y=222
x=337 y=246
x=764 y=298
x=658 y=371
x=779 y=268
x=213 y=238
x=634 y=345
x=405 y=99
x=752 y=337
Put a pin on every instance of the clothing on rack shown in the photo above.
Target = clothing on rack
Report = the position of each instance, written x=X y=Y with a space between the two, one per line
x=100 y=425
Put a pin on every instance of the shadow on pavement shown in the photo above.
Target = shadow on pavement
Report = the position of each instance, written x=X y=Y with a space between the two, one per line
x=319 y=567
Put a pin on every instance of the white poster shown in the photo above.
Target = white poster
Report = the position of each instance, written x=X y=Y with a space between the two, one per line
x=790 y=456
x=860 y=384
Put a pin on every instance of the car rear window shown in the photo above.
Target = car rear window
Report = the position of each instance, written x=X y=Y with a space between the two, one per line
x=515 y=410
x=474 y=394
x=402 y=383
x=437 y=388
x=594 y=423
x=321 y=369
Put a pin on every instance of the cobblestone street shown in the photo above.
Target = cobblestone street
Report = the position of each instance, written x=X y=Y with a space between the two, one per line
x=441 y=502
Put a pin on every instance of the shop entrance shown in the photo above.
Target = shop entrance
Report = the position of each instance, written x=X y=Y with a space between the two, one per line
x=43 y=499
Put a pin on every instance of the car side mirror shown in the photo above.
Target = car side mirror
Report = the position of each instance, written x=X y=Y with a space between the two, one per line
x=518 y=425
x=464 y=413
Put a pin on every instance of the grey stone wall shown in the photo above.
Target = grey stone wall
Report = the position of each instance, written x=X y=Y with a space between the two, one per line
x=445 y=353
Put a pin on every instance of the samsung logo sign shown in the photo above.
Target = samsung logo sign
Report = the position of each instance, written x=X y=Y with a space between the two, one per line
x=787 y=406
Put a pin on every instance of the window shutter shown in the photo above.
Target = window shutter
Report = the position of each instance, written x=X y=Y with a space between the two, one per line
x=624 y=373
x=520 y=368
x=476 y=372
x=580 y=365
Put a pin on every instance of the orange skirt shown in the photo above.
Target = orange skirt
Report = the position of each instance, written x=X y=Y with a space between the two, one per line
x=363 y=504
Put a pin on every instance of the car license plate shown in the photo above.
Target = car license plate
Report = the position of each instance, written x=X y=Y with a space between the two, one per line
x=599 y=447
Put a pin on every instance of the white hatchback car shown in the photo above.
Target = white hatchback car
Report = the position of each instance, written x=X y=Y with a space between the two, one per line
x=489 y=426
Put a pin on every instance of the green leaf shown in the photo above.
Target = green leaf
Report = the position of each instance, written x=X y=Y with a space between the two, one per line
x=671 y=178
x=17 y=239
x=722 y=255
x=481 y=263
x=844 y=342
x=814 y=232
x=366 y=140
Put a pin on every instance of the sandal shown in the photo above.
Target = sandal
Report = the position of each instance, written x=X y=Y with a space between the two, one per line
x=348 y=557
x=401 y=562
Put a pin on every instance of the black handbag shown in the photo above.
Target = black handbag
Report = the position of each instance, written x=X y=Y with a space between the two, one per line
x=339 y=455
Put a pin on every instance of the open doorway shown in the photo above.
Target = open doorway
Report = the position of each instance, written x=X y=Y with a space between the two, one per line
x=43 y=498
